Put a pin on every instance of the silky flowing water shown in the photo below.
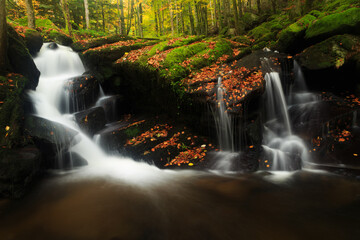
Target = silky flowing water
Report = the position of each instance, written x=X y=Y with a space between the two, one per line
x=118 y=198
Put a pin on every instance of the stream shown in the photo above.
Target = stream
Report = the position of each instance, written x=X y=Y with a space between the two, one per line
x=118 y=198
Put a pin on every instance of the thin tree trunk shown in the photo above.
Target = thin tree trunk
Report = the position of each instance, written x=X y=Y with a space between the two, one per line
x=103 y=17
x=156 y=21
x=220 y=15
x=258 y=2
x=196 y=18
x=3 y=36
x=159 y=17
x=87 y=19
x=66 y=13
x=212 y=12
x=30 y=13
x=177 y=18
x=171 y=18
x=236 y=16
x=119 y=16
x=191 y=18
x=182 y=19
x=122 y=20
x=240 y=6
x=130 y=15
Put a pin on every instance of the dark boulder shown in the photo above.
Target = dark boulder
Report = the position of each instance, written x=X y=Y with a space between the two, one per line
x=59 y=38
x=53 y=46
x=113 y=106
x=91 y=120
x=18 y=169
x=52 y=138
x=21 y=60
x=331 y=64
x=80 y=93
x=71 y=159
x=347 y=21
x=34 y=41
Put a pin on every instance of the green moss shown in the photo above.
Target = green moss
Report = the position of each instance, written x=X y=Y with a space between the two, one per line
x=331 y=53
x=59 y=38
x=132 y=132
x=83 y=45
x=338 y=23
x=340 y=5
x=267 y=31
x=294 y=32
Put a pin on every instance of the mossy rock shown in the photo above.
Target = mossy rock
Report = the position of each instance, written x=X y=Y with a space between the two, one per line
x=59 y=38
x=21 y=60
x=291 y=38
x=83 y=45
x=331 y=53
x=339 y=23
x=34 y=41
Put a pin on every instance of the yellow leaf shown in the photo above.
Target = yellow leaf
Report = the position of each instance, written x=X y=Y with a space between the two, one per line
x=191 y=164
x=7 y=128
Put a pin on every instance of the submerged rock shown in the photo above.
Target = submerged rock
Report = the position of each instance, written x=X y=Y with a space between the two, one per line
x=91 y=120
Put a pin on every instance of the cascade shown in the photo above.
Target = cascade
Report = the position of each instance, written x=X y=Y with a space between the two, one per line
x=223 y=122
x=286 y=150
x=56 y=67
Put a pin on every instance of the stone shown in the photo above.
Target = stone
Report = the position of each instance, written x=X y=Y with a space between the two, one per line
x=53 y=46
x=21 y=60
x=34 y=41
x=51 y=138
x=347 y=21
x=80 y=93
x=91 y=120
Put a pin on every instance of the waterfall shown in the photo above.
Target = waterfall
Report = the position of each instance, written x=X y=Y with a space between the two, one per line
x=286 y=150
x=222 y=120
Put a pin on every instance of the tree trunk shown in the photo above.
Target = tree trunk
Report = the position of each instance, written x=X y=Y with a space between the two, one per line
x=156 y=21
x=159 y=17
x=119 y=17
x=87 y=19
x=3 y=36
x=240 y=6
x=236 y=16
x=139 y=20
x=182 y=19
x=130 y=15
x=177 y=18
x=122 y=20
x=66 y=12
x=103 y=16
x=191 y=18
x=258 y=2
x=273 y=4
x=30 y=13
x=196 y=18
x=171 y=18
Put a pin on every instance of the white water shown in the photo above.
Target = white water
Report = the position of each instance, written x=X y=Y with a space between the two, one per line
x=279 y=143
x=223 y=121
x=56 y=67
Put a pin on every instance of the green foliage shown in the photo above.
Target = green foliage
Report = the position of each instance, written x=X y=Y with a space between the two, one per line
x=337 y=23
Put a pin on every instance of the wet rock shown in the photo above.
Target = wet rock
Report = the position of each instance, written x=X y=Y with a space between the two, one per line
x=113 y=106
x=71 y=160
x=91 y=120
x=50 y=137
x=21 y=60
x=34 y=41
x=53 y=46
x=18 y=170
x=80 y=93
